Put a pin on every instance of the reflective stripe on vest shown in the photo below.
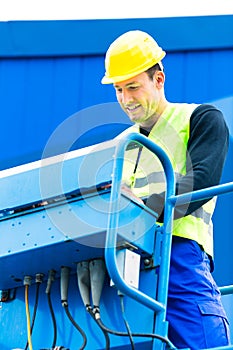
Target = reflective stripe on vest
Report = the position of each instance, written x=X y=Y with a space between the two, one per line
x=171 y=132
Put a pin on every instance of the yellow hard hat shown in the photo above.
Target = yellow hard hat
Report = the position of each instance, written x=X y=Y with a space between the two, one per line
x=129 y=55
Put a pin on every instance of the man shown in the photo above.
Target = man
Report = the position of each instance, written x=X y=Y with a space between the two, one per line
x=195 y=137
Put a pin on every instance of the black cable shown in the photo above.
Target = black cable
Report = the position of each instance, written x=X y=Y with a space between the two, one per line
x=107 y=339
x=53 y=320
x=36 y=305
x=143 y=335
x=35 y=309
x=65 y=305
x=51 y=279
x=126 y=322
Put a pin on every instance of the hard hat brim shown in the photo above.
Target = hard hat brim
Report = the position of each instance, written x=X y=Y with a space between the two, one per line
x=139 y=70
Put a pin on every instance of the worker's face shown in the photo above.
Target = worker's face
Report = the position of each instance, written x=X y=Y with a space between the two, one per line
x=140 y=97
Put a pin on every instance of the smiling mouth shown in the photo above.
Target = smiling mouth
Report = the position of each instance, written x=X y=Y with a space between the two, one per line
x=132 y=108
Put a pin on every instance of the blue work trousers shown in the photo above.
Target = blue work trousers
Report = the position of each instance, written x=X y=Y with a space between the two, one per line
x=196 y=317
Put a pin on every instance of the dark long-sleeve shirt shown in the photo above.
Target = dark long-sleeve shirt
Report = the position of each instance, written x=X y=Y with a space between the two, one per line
x=207 y=149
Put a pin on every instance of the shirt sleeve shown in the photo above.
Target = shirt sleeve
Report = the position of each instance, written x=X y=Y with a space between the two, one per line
x=206 y=153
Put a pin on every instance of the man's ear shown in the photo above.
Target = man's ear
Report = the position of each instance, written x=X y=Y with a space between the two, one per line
x=159 y=79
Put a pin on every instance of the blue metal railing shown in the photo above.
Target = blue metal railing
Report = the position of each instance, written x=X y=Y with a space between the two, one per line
x=111 y=237
x=225 y=290
x=159 y=305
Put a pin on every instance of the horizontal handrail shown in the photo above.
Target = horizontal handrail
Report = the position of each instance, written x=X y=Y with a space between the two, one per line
x=229 y=347
x=201 y=194
x=225 y=290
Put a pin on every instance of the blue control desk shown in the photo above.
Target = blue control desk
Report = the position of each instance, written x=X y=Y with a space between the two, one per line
x=55 y=212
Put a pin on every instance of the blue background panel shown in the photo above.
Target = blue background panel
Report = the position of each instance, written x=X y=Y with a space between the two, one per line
x=91 y=37
x=199 y=76
x=50 y=70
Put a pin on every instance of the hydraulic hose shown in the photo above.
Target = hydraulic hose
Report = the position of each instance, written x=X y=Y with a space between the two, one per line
x=51 y=279
x=97 y=270
x=84 y=283
x=91 y=275
x=53 y=320
x=166 y=341
x=107 y=339
x=65 y=274
x=126 y=322
x=76 y=326
x=39 y=280
x=28 y=316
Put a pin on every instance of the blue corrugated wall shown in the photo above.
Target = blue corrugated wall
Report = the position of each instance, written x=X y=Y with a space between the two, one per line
x=50 y=71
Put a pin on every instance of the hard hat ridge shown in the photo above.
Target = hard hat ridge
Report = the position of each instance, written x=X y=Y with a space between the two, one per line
x=129 y=55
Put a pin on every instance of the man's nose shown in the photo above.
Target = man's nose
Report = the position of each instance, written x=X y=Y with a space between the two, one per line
x=126 y=97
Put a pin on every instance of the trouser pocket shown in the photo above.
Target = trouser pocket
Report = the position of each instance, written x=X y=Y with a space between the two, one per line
x=215 y=324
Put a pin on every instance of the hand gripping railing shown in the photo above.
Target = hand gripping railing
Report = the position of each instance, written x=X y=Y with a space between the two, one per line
x=158 y=306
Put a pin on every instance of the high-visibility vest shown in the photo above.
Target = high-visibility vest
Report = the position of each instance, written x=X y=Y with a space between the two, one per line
x=144 y=174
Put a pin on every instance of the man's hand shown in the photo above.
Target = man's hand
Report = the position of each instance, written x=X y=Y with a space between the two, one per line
x=129 y=193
